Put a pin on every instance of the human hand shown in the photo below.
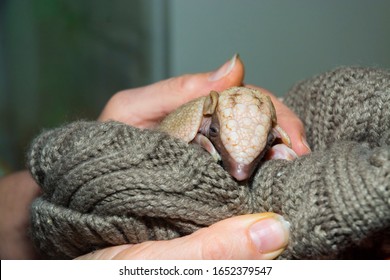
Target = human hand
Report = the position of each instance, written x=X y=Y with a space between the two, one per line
x=17 y=191
x=256 y=236
x=145 y=107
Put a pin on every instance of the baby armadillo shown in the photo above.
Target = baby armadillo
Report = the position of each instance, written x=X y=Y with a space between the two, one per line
x=237 y=126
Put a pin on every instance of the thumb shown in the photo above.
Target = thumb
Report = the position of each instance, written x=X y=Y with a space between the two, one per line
x=191 y=86
x=255 y=236
x=145 y=106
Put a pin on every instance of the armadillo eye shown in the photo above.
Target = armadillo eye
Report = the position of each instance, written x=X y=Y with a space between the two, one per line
x=213 y=130
x=271 y=139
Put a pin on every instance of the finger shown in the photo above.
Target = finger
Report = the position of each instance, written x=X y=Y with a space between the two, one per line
x=256 y=236
x=290 y=123
x=184 y=88
x=17 y=191
x=144 y=106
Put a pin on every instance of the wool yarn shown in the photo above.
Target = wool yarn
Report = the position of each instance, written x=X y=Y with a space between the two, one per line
x=109 y=183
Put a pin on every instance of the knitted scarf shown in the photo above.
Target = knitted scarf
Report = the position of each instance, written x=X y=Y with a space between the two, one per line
x=109 y=183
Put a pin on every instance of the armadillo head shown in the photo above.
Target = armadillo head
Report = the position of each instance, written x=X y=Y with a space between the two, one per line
x=240 y=129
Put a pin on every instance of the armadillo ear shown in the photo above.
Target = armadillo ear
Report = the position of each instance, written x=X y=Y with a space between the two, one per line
x=210 y=103
x=273 y=112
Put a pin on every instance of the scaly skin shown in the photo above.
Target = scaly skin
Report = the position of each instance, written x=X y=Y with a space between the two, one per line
x=184 y=122
x=237 y=126
x=246 y=118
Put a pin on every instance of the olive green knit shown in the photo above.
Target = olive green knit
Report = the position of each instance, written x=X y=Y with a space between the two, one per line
x=109 y=183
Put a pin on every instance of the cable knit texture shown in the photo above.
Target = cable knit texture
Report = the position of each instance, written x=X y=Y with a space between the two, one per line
x=108 y=183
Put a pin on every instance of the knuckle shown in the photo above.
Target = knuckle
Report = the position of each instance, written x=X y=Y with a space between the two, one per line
x=187 y=83
x=114 y=100
x=177 y=83
x=216 y=248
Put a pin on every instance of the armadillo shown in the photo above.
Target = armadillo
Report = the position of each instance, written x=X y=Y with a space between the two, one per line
x=236 y=126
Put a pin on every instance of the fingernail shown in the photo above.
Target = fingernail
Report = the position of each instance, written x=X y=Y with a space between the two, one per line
x=224 y=69
x=270 y=234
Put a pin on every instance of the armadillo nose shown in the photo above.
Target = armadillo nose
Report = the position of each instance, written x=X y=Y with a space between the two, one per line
x=240 y=172
x=240 y=176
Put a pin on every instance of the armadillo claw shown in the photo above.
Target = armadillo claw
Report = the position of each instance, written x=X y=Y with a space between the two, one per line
x=206 y=144
x=281 y=151
x=280 y=133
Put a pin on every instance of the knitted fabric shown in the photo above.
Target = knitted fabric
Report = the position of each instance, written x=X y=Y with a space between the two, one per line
x=109 y=183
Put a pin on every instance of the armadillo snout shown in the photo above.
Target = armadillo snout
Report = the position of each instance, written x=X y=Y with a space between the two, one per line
x=239 y=171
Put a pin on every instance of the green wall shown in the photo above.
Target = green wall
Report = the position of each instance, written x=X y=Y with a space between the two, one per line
x=61 y=60
x=281 y=41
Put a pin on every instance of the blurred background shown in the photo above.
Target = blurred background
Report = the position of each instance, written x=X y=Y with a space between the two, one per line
x=61 y=60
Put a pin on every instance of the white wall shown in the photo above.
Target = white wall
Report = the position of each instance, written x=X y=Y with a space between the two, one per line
x=282 y=41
